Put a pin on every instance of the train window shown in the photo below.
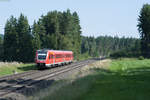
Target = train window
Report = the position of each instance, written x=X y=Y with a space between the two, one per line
x=57 y=56
x=68 y=55
x=41 y=57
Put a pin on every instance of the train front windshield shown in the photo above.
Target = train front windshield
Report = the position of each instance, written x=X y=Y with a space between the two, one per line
x=42 y=55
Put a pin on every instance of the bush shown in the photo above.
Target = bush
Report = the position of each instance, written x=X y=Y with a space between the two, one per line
x=126 y=53
x=119 y=54
x=141 y=58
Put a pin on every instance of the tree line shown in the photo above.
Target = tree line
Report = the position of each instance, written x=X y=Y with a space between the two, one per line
x=55 y=30
x=124 y=47
x=106 y=46
x=110 y=46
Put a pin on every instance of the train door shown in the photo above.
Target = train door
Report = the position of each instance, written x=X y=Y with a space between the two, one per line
x=52 y=61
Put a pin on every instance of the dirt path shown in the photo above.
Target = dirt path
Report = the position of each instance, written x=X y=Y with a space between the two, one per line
x=88 y=69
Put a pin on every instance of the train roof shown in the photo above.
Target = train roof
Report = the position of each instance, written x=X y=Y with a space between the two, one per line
x=45 y=50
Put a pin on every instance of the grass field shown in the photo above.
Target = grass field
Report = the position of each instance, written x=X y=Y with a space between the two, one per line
x=8 y=68
x=126 y=79
x=129 y=80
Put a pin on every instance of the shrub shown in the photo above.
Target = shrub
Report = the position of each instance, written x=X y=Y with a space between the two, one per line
x=141 y=58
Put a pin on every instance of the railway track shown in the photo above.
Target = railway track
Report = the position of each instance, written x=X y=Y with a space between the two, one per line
x=20 y=81
x=24 y=74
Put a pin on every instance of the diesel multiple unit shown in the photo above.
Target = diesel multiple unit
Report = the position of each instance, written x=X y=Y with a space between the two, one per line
x=49 y=58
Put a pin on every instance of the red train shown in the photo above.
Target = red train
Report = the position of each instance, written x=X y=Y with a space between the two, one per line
x=49 y=58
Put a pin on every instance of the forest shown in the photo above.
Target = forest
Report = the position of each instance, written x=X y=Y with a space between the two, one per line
x=55 y=30
x=104 y=46
x=110 y=46
x=62 y=31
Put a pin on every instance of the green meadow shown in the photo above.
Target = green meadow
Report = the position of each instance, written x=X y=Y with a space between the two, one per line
x=126 y=79
x=9 y=68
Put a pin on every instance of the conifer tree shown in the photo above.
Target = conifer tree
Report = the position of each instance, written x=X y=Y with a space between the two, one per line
x=51 y=24
x=42 y=33
x=36 y=42
x=144 y=29
x=77 y=33
x=11 y=40
x=25 y=40
x=1 y=48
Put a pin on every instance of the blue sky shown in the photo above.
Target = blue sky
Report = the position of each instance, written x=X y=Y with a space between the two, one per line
x=97 y=17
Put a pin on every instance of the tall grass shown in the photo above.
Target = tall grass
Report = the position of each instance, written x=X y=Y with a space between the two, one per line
x=8 y=68
x=7 y=64
x=126 y=65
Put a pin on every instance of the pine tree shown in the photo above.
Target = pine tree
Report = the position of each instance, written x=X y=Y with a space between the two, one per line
x=25 y=40
x=77 y=33
x=1 y=48
x=36 y=42
x=51 y=24
x=36 y=37
x=10 y=40
x=42 y=33
x=144 y=29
